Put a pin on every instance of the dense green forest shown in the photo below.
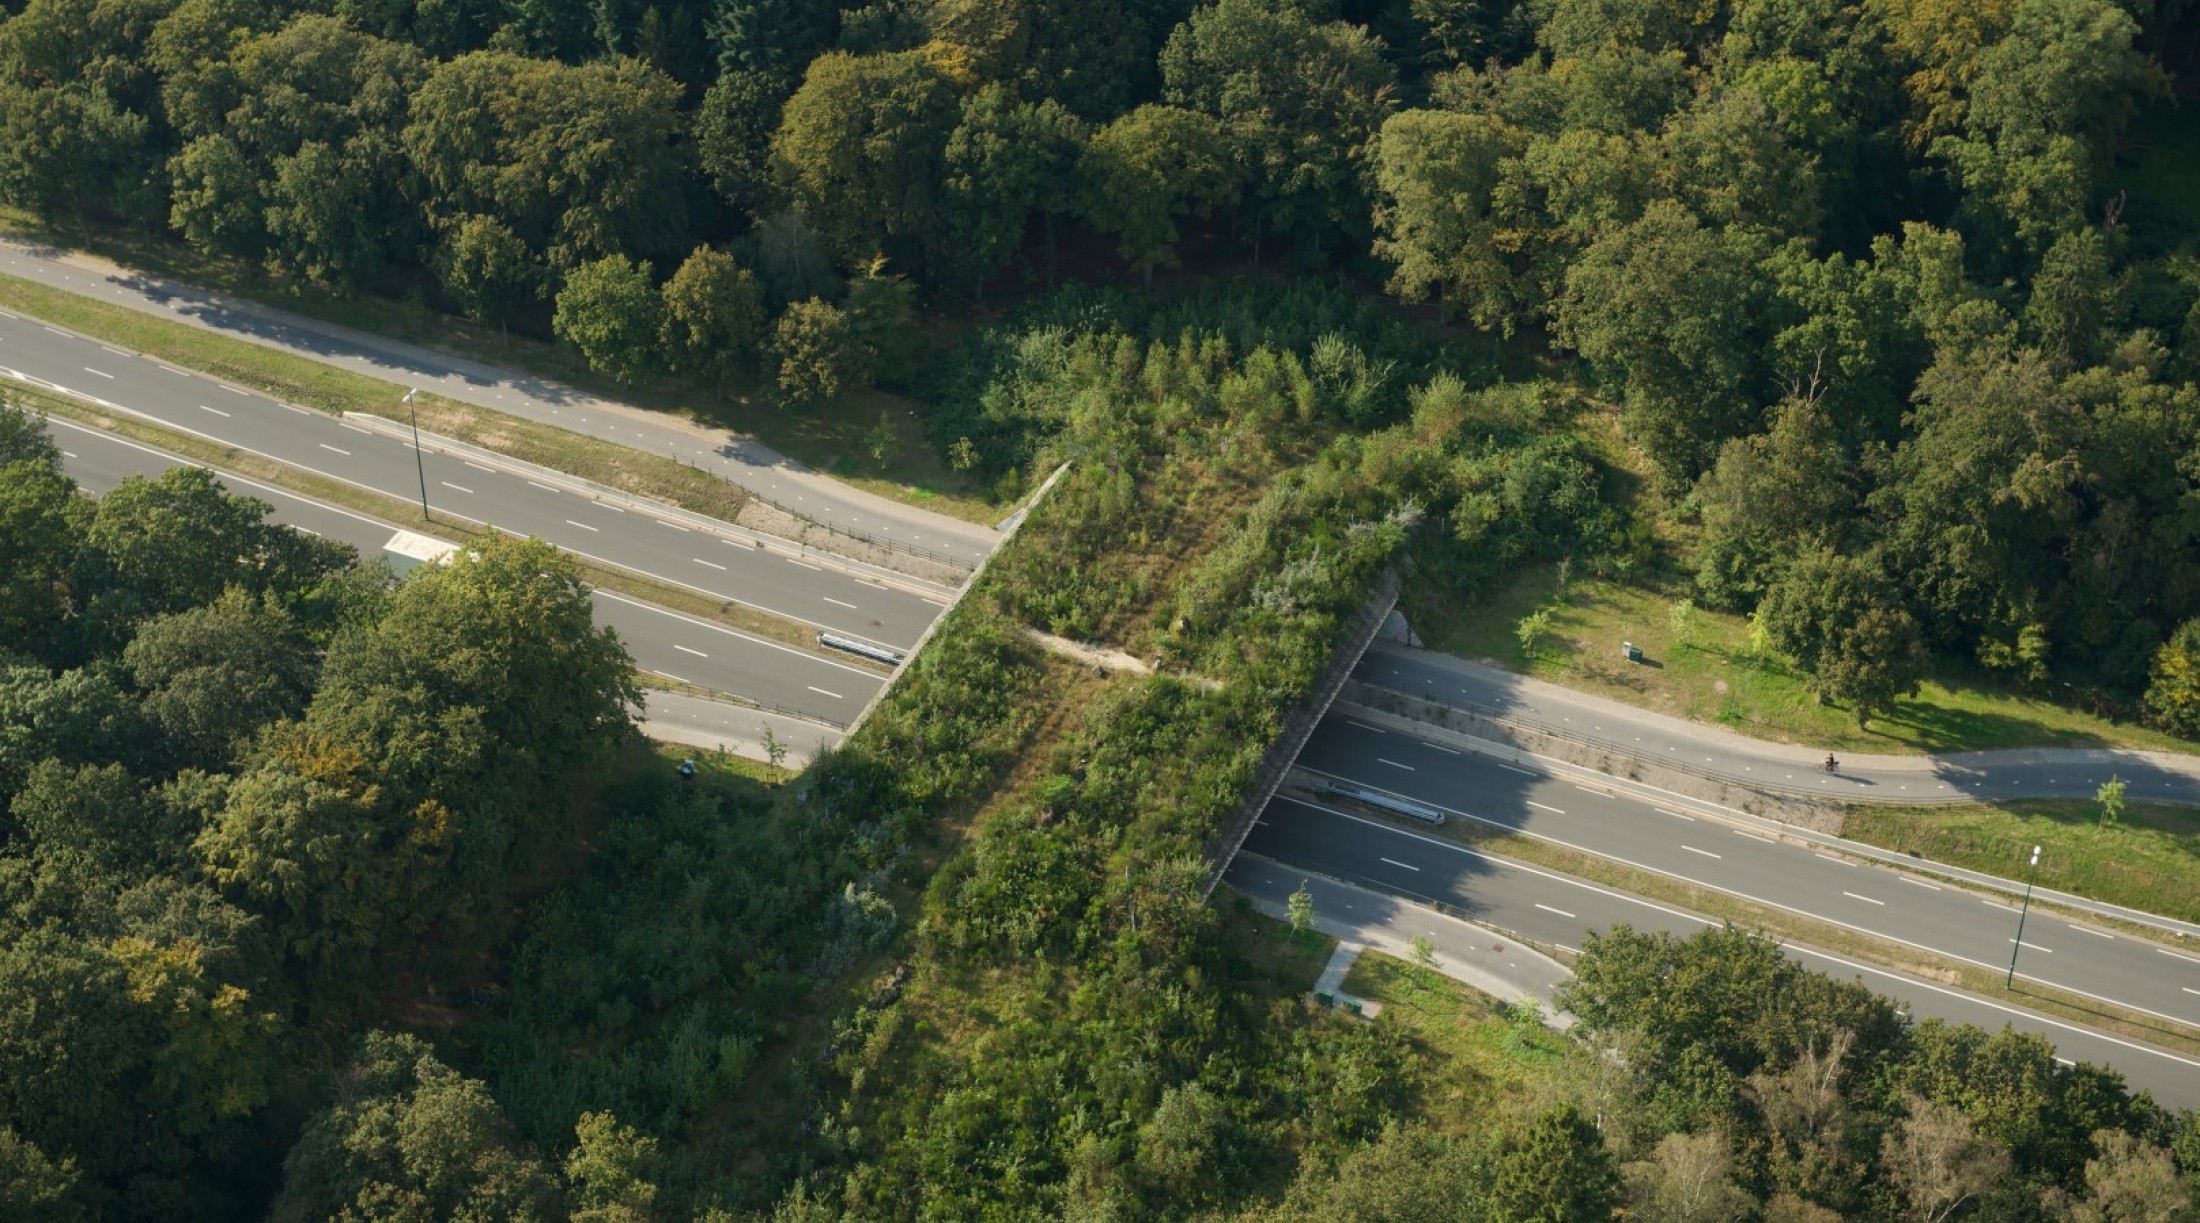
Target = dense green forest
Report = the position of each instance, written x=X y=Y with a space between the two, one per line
x=323 y=896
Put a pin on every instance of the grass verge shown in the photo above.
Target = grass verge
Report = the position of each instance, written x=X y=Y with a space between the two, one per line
x=1824 y=936
x=2149 y=860
x=1713 y=676
x=834 y=437
x=1481 y=1053
x=402 y=513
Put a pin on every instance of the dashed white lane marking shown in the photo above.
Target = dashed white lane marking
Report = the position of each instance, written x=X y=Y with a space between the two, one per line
x=1831 y=858
x=799 y=565
x=478 y=467
x=838 y=602
x=1705 y=852
x=684 y=650
x=582 y=525
x=1930 y=887
x=2188 y=989
x=1523 y=772
x=2176 y=955
x=1675 y=814
x=2094 y=933
x=544 y=487
x=2004 y=908
x=1866 y=899
x=102 y=373
x=713 y=564
x=57 y=331
x=234 y=391
x=173 y=370
x=356 y=429
x=1394 y=764
x=1754 y=837
x=67 y=454
x=1542 y=807
x=2036 y=947
x=1438 y=747
x=1394 y=862
x=674 y=525
x=460 y=487
x=821 y=692
x=215 y=411
x=1364 y=726
x=1561 y=912
x=337 y=449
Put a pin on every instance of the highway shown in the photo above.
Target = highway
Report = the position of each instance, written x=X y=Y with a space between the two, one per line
x=742 y=460
x=1775 y=767
x=314 y=441
x=2083 y=959
x=696 y=651
x=1555 y=909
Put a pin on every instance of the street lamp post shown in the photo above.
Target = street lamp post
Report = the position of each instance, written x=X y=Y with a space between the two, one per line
x=419 y=466
x=2022 y=913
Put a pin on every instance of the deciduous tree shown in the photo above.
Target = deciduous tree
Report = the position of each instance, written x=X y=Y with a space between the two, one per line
x=1149 y=170
x=713 y=316
x=610 y=310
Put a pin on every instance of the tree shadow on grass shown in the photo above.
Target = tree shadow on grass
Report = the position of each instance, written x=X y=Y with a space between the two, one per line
x=1939 y=728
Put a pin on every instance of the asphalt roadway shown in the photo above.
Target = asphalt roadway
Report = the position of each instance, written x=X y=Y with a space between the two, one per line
x=1554 y=909
x=743 y=461
x=695 y=651
x=2130 y=972
x=1775 y=767
x=314 y=441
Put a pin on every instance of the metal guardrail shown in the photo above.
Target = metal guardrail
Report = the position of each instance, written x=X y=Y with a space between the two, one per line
x=1299 y=724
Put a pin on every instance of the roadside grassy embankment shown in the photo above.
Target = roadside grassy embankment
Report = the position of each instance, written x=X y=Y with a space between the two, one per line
x=1481 y=1054
x=2148 y=860
x=1713 y=675
x=405 y=514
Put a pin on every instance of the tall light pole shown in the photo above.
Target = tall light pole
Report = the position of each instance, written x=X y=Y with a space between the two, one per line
x=2022 y=913
x=418 y=465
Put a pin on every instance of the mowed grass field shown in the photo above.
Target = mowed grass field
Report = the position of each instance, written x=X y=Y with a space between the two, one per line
x=2149 y=859
x=1713 y=675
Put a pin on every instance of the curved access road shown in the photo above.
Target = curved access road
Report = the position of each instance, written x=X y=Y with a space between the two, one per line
x=1776 y=767
x=695 y=651
x=636 y=540
x=743 y=461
